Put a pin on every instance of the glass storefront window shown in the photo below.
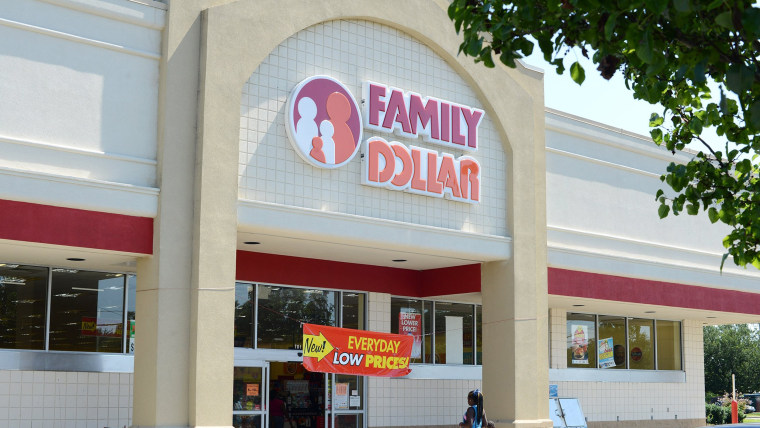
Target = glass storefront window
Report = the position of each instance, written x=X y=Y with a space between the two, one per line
x=23 y=303
x=281 y=310
x=479 y=335
x=640 y=344
x=427 y=332
x=668 y=345
x=244 y=315
x=131 y=304
x=454 y=333
x=407 y=318
x=459 y=324
x=349 y=421
x=86 y=311
x=636 y=344
x=353 y=311
x=614 y=327
x=247 y=388
x=581 y=341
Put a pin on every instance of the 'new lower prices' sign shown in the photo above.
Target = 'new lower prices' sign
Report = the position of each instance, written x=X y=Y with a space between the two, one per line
x=357 y=352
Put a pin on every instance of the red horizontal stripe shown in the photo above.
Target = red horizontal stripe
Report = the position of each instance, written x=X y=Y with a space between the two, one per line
x=46 y=224
x=563 y=282
x=289 y=270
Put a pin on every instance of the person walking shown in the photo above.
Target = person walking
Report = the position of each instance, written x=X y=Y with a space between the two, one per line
x=475 y=416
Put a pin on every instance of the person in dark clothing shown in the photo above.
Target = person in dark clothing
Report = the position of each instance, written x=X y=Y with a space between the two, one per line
x=277 y=411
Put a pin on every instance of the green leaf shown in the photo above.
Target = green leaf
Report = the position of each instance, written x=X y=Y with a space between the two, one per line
x=452 y=10
x=712 y=213
x=754 y=115
x=656 y=136
x=655 y=120
x=473 y=48
x=699 y=72
x=656 y=7
x=739 y=78
x=644 y=50
x=695 y=125
x=609 y=26
x=692 y=209
x=659 y=193
x=577 y=73
x=488 y=60
x=756 y=263
x=682 y=5
x=744 y=166
x=751 y=20
x=722 y=261
x=724 y=20
x=663 y=211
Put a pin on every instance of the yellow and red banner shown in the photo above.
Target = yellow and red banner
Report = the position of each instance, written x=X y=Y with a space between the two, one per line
x=358 y=352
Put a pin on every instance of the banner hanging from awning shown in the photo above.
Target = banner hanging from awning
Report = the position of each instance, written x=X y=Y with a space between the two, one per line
x=356 y=352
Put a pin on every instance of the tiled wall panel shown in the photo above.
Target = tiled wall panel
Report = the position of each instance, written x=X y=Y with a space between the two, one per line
x=50 y=399
x=352 y=52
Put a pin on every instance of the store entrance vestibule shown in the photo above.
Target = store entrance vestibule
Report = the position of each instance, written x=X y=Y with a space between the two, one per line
x=268 y=361
x=275 y=394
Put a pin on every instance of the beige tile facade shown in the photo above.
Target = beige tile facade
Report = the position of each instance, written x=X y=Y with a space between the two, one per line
x=54 y=399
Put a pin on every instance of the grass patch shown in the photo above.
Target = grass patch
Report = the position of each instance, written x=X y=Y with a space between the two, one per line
x=752 y=418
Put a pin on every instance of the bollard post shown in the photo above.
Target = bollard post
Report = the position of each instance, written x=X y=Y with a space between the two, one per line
x=734 y=412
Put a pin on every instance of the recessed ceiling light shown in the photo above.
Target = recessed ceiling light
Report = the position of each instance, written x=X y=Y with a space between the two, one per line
x=399 y=260
x=251 y=242
x=578 y=306
x=649 y=312
x=712 y=317
x=75 y=259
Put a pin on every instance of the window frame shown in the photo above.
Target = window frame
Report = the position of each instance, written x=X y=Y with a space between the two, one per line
x=475 y=320
x=338 y=312
x=627 y=340
x=48 y=309
x=85 y=361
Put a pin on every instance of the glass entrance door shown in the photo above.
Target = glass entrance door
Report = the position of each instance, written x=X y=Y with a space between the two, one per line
x=250 y=395
x=347 y=401
x=297 y=396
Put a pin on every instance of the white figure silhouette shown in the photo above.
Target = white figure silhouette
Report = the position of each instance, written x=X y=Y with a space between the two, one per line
x=328 y=145
x=306 y=127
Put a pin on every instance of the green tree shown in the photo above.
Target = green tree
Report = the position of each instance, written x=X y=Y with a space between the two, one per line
x=731 y=349
x=668 y=52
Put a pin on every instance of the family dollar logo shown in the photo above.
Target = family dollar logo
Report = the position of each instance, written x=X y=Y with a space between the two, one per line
x=323 y=122
x=316 y=346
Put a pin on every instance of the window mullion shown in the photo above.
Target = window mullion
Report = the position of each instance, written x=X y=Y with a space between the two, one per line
x=47 y=309
x=124 y=327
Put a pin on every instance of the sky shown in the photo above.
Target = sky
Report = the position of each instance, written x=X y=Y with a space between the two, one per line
x=600 y=100
x=608 y=102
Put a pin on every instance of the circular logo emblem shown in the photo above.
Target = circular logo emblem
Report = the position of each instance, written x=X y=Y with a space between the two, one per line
x=323 y=122
x=636 y=354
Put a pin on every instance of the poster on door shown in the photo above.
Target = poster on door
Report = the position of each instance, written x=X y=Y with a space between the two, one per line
x=341 y=396
x=410 y=324
x=579 y=343
x=357 y=352
x=606 y=359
